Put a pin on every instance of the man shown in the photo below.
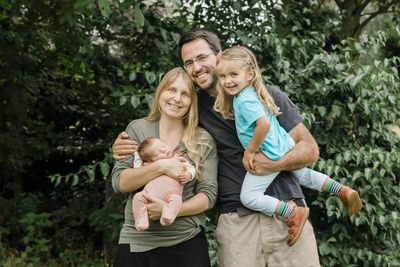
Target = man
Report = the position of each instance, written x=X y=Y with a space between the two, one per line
x=246 y=238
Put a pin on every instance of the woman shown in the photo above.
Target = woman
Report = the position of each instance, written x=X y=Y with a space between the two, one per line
x=173 y=119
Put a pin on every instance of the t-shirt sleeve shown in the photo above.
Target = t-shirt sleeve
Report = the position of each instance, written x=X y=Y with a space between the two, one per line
x=206 y=182
x=290 y=116
x=250 y=110
x=127 y=162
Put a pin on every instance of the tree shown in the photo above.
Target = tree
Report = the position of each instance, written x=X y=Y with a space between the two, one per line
x=356 y=14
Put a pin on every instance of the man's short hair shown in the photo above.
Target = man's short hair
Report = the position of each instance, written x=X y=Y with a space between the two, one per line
x=208 y=36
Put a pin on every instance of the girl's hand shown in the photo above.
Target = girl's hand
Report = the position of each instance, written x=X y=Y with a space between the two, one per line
x=247 y=160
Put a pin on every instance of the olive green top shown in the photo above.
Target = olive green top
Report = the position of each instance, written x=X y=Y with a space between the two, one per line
x=184 y=228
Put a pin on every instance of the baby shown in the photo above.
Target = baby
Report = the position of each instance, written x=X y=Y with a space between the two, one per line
x=162 y=187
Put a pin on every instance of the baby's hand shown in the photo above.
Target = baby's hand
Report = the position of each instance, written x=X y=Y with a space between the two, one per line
x=247 y=160
x=184 y=177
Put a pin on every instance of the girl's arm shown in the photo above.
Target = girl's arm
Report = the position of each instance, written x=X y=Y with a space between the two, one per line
x=132 y=179
x=259 y=134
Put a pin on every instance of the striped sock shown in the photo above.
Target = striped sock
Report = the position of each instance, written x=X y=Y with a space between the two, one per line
x=334 y=187
x=285 y=210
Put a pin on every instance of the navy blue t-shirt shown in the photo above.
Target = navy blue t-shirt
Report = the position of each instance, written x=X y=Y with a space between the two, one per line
x=230 y=152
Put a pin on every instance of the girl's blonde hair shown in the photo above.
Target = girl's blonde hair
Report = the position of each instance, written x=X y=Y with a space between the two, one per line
x=243 y=56
x=192 y=133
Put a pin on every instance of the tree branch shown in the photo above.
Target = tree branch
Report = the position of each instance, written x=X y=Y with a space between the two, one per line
x=364 y=4
x=339 y=4
x=381 y=10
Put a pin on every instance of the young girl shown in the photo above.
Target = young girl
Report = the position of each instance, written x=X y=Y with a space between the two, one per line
x=243 y=96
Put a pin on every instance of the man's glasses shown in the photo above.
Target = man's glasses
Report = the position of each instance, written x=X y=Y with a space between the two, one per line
x=200 y=59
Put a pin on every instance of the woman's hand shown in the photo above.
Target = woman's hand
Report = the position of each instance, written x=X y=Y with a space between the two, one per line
x=123 y=146
x=154 y=208
x=247 y=160
x=173 y=166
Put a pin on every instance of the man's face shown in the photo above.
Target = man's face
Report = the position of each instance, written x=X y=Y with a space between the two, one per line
x=202 y=73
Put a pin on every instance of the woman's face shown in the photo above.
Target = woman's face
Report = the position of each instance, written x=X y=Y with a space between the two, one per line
x=175 y=99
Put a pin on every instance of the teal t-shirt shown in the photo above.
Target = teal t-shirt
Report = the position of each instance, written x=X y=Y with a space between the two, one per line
x=248 y=109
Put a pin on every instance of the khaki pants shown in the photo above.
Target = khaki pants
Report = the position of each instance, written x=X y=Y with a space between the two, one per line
x=257 y=240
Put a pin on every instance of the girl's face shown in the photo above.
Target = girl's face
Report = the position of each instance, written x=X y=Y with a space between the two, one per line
x=233 y=77
x=175 y=100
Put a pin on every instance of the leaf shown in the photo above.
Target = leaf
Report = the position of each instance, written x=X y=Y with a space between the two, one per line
x=126 y=4
x=132 y=76
x=90 y=173
x=75 y=181
x=104 y=8
x=150 y=77
x=104 y=168
x=351 y=106
x=139 y=18
x=336 y=110
x=322 y=111
x=149 y=100
x=81 y=6
x=135 y=101
x=122 y=100
x=176 y=37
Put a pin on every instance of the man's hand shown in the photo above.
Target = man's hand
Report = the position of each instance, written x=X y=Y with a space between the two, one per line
x=247 y=160
x=263 y=165
x=154 y=208
x=123 y=146
x=303 y=154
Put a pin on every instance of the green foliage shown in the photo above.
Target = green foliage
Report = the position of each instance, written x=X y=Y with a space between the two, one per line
x=74 y=73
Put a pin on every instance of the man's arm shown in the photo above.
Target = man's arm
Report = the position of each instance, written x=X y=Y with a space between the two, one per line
x=303 y=154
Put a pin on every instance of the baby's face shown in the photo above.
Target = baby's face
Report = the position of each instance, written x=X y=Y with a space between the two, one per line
x=159 y=150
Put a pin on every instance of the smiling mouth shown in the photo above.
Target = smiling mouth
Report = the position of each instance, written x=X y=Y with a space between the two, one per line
x=201 y=75
x=174 y=106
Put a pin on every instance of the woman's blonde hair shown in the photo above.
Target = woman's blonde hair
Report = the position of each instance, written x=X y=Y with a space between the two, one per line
x=243 y=56
x=191 y=133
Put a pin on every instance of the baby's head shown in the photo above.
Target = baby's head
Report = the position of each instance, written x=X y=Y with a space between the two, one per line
x=152 y=149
